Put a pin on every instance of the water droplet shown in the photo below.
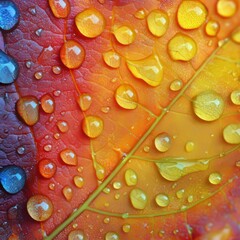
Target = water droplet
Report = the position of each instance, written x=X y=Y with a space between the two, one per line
x=180 y=193
x=33 y=11
x=28 y=64
x=84 y=101
x=173 y=168
x=231 y=133
x=78 y=181
x=111 y=236
x=47 y=103
x=10 y=14
x=157 y=22
x=189 y=147
x=131 y=177
x=126 y=228
x=124 y=34
x=148 y=69
x=190 y=199
x=21 y=150
x=38 y=75
x=92 y=126
x=69 y=157
x=112 y=59
x=57 y=93
x=77 y=235
x=191 y=14
x=38 y=32
x=226 y=8
x=106 y=220
x=12 y=178
x=162 y=142
x=47 y=147
x=60 y=8
x=117 y=185
x=28 y=109
x=62 y=126
x=56 y=70
x=236 y=35
x=100 y=171
x=126 y=96
x=75 y=225
x=51 y=186
x=215 y=178
x=57 y=136
x=90 y=22
x=39 y=207
x=72 y=54
x=107 y=190
x=212 y=28
x=146 y=149
x=176 y=85
x=13 y=212
x=208 y=106
x=138 y=198
x=117 y=196
x=67 y=193
x=105 y=109
x=140 y=14
x=162 y=200
x=47 y=168
x=235 y=97
x=182 y=47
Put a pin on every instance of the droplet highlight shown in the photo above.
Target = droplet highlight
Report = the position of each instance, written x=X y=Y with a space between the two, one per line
x=176 y=85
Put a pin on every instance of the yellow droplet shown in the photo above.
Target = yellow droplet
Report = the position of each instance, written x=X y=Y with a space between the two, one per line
x=117 y=196
x=138 y=198
x=226 y=8
x=215 y=178
x=105 y=109
x=78 y=181
x=231 y=133
x=235 y=97
x=67 y=193
x=100 y=171
x=90 y=22
x=189 y=147
x=236 y=35
x=140 y=14
x=157 y=22
x=176 y=85
x=117 y=185
x=162 y=142
x=126 y=228
x=162 y=200
x=173 y=168
x=62 y=126
x=182 y=47
x=111 y=236
x=77 y=235
x=124 y=35
x=92 y=126
x=131 y=177
x=69 y=157
x=126 y=96
x=39 y=207
x=107 y=190
x=112 y=59
x=191 y=14
x=208 y=106
x=38 y=75
x=190 y=199
x=106 y=220
x=84 y=101
x=212 y=28
x=180 y=193
x=146 y=149
x=237 y=164
x=148 y=69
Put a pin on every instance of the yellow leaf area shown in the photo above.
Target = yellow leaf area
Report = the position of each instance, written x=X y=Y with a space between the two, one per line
x=161 y=167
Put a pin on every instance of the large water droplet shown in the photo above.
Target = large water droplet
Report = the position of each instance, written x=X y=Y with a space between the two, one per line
x=69 y=157
x=162 y=200
x=226 y=8
x=59 y=8
x=112 y=59
x=131 y=177
x=231 y=133
x=162 y=142
x=92 y=126
x=124 y=34
x=47 y=168
x=215 y=178
x=111 y=236
x=212 y=28
x=138 y=198
x=235 y=97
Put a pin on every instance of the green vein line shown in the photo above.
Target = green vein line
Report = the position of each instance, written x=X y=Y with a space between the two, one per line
x=98 y=190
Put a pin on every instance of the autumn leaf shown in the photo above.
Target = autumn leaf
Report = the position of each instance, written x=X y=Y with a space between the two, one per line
x=140 y=125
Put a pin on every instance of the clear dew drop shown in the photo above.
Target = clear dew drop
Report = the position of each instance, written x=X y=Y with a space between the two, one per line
x=208 y=105
x=117 y=185
x=38 y=32
x=39 y=207
x=57 y=70
x=78 y=181
x=77 y=235
x=67 y=193
x=235 y=97
x=182 y=47
x=162 y=200
x=231 y=133
x=215 y=178
x=28 y=64
x=146 y=149
x=180 y=193
x=32 y=10
x=191 y=14
x=126 y=96
x=157 y=22
x=47 y=168
x=106 y=190
x=212 y=28
x=176 y=85
x=138 y=198
x=47 y=103
x=149 y=69
x=126 y=228
x=60 y=8
x=92 y=126
x=189 y=146
x=112 y=59
x=140 y=14
x=125 y=35
x=226 y=8
x=162 y=142
x=90 y=23
x=69 y=157
x=131 y=177
x=62 y=126
x=21 y=150
x=112 y=236
x=84 y=101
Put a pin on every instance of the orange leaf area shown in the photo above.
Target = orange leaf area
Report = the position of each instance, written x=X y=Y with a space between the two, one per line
x=138 y=133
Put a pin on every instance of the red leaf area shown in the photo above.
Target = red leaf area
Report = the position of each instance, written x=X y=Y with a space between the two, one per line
x=102 y=207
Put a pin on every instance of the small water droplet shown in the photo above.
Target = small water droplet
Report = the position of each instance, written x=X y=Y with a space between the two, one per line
x=236 y=35
x=56 y=70
x=131 y=177
x=238 y=164
x=124 y=34
x=176 y=85
x=111 y=236
x=47 y=147
x=69 y=157
x=140 y=14
x=67 y=193
x=231 y=133
x=60 y=9
x=47 y=168
x=84 y=101
x=212 y=28
x=226 y=8
x=215 y=178
x=117 y=185
x=33 y=11
x=138 y=198
x=106 y=220
x=107 y=190
x=47 y=103
x=162 y=200
x=62 y=126
x=180 y=193
x=28 y=64
x=100 y=171
x=51 y=186
x=57 y=136
x=105 y=109
x=57 y=93
x=190 y=199
x=21 y=150
x=92 y=126
x=38 y=32
x=235 y=97
x=77 y=235
x=126 y=228
x=78 y=181
x=112 y=59
x=13 y=212
x=162 y=142
x=38 y=75
x=189 y=147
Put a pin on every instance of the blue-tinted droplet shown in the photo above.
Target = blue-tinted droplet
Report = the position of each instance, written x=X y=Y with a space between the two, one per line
x=9 y=68
x=12 y=178
x=9 y=15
